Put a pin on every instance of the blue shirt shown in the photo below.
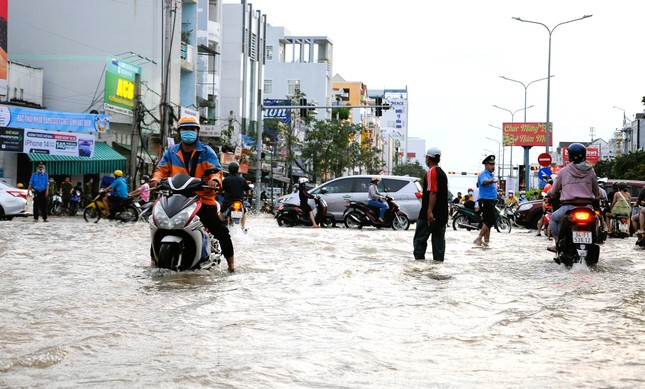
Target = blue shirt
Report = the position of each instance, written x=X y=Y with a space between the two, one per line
x=120 y=188
x=487 y=191
x=39 y=181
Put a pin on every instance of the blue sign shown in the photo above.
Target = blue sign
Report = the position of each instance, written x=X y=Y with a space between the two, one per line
x=544 y=174
x=17 y=117
x=276 y=113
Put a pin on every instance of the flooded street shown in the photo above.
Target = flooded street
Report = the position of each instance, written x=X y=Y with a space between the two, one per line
x=314 y=308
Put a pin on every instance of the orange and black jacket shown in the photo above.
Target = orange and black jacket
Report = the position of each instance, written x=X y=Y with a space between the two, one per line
x=202 y=158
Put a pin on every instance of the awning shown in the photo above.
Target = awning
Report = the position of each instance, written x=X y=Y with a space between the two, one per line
x=105 y=160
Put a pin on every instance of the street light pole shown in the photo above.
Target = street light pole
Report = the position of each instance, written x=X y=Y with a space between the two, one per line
x=548 y=82
x=503 y=152
x=512 y=121
x=499 y=148
x=526 y=87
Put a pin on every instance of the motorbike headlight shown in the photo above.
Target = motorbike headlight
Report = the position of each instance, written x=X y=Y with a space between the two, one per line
x=524 y=207
x=177 y=221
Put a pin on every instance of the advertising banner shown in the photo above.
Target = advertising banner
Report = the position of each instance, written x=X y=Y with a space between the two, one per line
x=283 y=114
x=4 y=14
x=592 y=155
x=47 y=142
x=526 y=134
x=119 y=86
x=18 y=117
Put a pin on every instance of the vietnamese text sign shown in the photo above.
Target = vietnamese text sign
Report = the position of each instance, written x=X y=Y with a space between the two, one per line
x=119 y=86
x=17 y=117
x=592 y=155
x=526 y=134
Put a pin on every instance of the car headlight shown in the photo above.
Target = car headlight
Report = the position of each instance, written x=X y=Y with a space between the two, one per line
x=177 y=221
x=524 y=207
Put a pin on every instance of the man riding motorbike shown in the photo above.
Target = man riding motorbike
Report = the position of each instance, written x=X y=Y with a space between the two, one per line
x=234 y=187
x=192 y=157
x=120 y=189
x=576 y=186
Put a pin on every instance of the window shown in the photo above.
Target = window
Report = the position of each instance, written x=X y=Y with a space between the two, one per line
x=269 y=53
x=293 y=87
x=393 y=185
x=268 y=87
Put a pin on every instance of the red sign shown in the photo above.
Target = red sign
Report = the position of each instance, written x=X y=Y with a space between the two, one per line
x=592 y=155
x=544 y=159
x=526 y=134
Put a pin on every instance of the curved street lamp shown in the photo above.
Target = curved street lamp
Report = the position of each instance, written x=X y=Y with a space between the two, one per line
x=503 y=151
x=548 y=85
x=512 y=121
x=526 y=87
x=499 y=148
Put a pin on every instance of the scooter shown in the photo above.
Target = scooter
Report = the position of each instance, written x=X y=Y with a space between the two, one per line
x=470 y=219
x=74 y=202
x=578 y=238
x=619 y=226
x=57 y=204
x=145 y=210
x=290 y=215
x=125 y=212
x=179 y=239
x=359 y=214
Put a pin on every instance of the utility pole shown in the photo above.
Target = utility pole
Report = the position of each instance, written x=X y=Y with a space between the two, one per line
x=165 y=72
x=134 y=144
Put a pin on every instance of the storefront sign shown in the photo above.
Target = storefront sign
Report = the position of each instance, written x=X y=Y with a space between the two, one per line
x=17 y=117
x=46 y=142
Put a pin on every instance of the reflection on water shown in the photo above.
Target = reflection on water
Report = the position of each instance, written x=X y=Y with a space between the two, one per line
x=314 y=308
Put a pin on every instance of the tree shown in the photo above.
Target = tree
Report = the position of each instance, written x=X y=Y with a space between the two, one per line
x=628 y=166
x=327 y=148
x=409 y=169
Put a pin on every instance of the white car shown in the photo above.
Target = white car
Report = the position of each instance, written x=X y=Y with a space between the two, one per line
x=406 y=192
x=13 y=202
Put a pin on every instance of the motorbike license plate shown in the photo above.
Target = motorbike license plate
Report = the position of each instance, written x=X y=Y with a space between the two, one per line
x=236 y=214
x=582 y=237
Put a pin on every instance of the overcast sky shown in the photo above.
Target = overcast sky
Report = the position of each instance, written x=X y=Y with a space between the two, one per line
x=450 y=55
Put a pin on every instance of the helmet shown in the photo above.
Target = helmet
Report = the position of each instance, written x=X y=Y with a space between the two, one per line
x=118 y=173
x=376 y=178
x=146 y=178
x=522 y=192
x=622 y=185
x=187 y=121
x=233 y=167
x=511 y=192
x=19 y=186
x=433 y=152
x=470 y=189
x=577 y=153
x=303 y=180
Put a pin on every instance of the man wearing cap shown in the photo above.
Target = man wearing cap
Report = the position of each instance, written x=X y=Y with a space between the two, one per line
x=39 y=183
x=487 y=184
x=434 y=210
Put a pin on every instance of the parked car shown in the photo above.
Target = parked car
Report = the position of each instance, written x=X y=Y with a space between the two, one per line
x=13 y=202
x=406 y=191
x=528 y=213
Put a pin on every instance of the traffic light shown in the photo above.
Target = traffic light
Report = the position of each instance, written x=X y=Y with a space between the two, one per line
x=379 y=110
x=303 y=111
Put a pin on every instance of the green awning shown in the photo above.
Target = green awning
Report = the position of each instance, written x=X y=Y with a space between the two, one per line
x=105 y=160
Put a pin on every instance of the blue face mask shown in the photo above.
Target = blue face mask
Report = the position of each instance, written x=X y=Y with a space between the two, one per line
x=189 y=136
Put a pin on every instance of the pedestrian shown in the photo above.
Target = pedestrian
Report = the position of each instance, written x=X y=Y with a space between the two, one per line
x=433 y=215
x=87 y=192
x=66 y=188
x=487 y=184
x=53 y=189
x=39 y=183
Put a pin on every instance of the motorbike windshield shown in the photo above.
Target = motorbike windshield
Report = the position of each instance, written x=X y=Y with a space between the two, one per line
x=172 y=205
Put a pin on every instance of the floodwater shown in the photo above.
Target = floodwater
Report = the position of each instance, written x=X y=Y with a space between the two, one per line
x=326 y=308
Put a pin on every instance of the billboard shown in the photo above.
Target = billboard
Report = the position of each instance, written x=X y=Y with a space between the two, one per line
x=119 y=86
x=29 y=140
x=526 y=134
x=18 y=117
x=4 y=14
x=593 y=155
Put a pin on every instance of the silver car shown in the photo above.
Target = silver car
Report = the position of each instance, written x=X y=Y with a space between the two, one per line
x=406 y=191
x=13 y=202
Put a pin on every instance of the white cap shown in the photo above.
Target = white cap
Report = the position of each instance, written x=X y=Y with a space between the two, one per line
x=433 y=152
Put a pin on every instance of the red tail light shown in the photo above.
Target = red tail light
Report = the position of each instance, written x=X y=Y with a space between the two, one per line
x=419 y=195
x=237 y=206
x=16 y=193
x=582 y=216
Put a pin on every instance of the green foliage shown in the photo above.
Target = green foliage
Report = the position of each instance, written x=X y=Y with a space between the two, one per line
x=327 y=148
x=409 y=169
x=628 y=166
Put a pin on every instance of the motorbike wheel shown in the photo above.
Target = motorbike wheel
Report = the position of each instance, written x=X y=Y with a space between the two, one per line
x=145 y=215
x=168 y=256
x=91 y=215
x=286 y=220
x=57 y=209
x=351 y=220
x=130 y=214
x=400 y=223
x=72 y=210
x=504 y=225
x=328 y=222
x=461 y=219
